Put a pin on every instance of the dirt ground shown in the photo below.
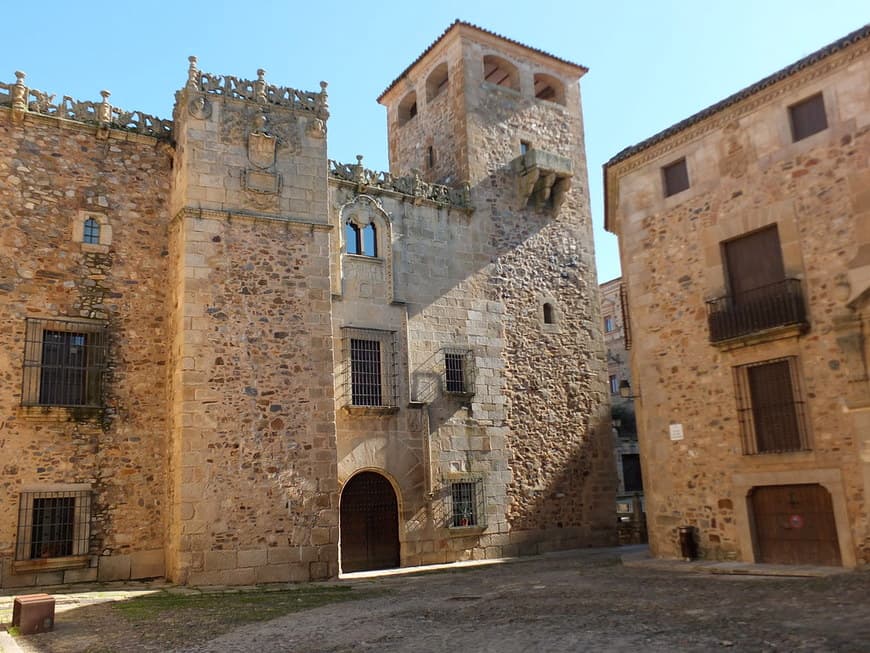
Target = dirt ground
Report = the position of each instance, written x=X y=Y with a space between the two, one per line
x=582 y=601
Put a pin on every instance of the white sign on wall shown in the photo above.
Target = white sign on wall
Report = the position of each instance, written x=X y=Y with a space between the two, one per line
x=676 y=432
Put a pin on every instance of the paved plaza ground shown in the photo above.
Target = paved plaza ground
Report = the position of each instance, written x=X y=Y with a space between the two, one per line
x=575 y=601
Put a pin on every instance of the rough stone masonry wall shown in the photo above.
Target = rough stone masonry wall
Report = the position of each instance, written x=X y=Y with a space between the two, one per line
x=561 y=492
x=439 y=124
x=51 y=171
x=745 y=174
x=255 y=496
x=258 y=491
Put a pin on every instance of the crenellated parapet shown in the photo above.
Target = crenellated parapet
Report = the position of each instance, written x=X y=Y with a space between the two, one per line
x=23 y=99
x=258 y=90
x=411 y=185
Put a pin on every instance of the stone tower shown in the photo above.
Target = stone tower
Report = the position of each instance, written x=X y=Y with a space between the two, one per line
x=252 y=481
x=504 y=118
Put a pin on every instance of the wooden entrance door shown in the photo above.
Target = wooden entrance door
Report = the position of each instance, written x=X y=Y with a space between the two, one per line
x=794 y=525
x=369 y=522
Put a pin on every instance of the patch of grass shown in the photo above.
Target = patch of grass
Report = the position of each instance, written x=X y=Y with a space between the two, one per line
x=15 y=631
x=237 y=607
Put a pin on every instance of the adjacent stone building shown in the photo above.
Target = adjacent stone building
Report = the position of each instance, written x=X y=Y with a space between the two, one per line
x=744 y=235
x=617 y=341
x=227 y=359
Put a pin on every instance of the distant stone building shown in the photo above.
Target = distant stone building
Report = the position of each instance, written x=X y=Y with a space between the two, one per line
x=744 y=235
x=229 y=360
x=617 y=341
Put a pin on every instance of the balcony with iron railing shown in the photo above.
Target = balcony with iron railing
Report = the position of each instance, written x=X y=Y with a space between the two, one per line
x=775 y=306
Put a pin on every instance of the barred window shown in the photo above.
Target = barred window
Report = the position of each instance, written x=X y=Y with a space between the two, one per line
x=458 y=371
x=63 y=362
x=91 y=232
x=467 y=503
x=370 y=379
x=771 y=407
x=365 y=366
x=53 y=524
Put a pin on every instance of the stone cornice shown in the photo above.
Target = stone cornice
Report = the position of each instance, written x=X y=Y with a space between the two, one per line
x=253 y=216
x=107 y=132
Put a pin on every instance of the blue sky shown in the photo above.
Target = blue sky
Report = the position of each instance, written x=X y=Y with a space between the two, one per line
x=651 y=63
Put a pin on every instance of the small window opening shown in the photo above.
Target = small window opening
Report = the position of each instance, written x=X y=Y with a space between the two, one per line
x=437 y=82
x=365 y=366
x=808 y=117
x=525 y=146
x=353 y=237
x=430 y=157
x=614 y=384
x=676 y=177
x=549 y=88
x=369 y=240
x=549 y=314
x=500 y=72
x=467 y=504
x=91 y=232
x=609 y=324
x=408 y=107
x=454 y=371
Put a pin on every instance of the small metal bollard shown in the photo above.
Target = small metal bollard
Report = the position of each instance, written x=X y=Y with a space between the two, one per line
x=688 y=542
x=33 y=613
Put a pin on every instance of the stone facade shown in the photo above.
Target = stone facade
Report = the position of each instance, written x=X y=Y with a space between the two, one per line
x=617 y=339
x=239 y=329
x=707 y=356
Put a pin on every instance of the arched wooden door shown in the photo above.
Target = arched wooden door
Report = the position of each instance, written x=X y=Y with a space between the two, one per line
x=794 y=525
x=369 y=522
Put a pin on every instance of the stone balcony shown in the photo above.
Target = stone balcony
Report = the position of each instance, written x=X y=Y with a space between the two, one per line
x=543 y=178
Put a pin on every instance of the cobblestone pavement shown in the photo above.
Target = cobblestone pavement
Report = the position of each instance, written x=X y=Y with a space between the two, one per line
x=575 y=601
x=582 y=601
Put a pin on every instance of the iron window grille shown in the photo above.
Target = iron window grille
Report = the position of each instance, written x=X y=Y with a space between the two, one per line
x=467 y=503
x=771 y=407
x=53 y=524
x=64 y=362
x=459 y=371
x=371 y=374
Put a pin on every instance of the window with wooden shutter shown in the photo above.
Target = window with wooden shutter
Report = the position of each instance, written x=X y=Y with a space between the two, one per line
x=771 y=407
x=753 y=262
x=675 y=177
x=808 y=117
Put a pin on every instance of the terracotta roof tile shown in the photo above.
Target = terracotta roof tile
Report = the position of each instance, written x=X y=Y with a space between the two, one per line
x=458 y=22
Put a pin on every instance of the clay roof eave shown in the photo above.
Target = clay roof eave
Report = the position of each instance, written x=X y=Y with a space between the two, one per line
x=457 y=24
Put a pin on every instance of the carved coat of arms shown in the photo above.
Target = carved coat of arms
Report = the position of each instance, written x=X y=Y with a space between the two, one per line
x=261 y=149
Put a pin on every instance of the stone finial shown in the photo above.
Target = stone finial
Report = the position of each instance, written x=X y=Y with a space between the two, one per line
x=260 y=86
x=19 y=92
x=323 y=105
x=192 y=74
x=105 y=112
x=359 y=170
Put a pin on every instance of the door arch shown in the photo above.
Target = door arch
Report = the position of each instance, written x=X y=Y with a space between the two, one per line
x=368 y=523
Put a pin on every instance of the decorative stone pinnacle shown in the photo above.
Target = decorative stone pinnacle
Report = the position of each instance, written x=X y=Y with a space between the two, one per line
x=192 y=74
x=19 y=93
x=323 y=86
x=359 y=158
x=261 y=74
x=105 y=114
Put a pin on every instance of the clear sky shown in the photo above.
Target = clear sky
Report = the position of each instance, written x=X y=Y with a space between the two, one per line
x=652 y=63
